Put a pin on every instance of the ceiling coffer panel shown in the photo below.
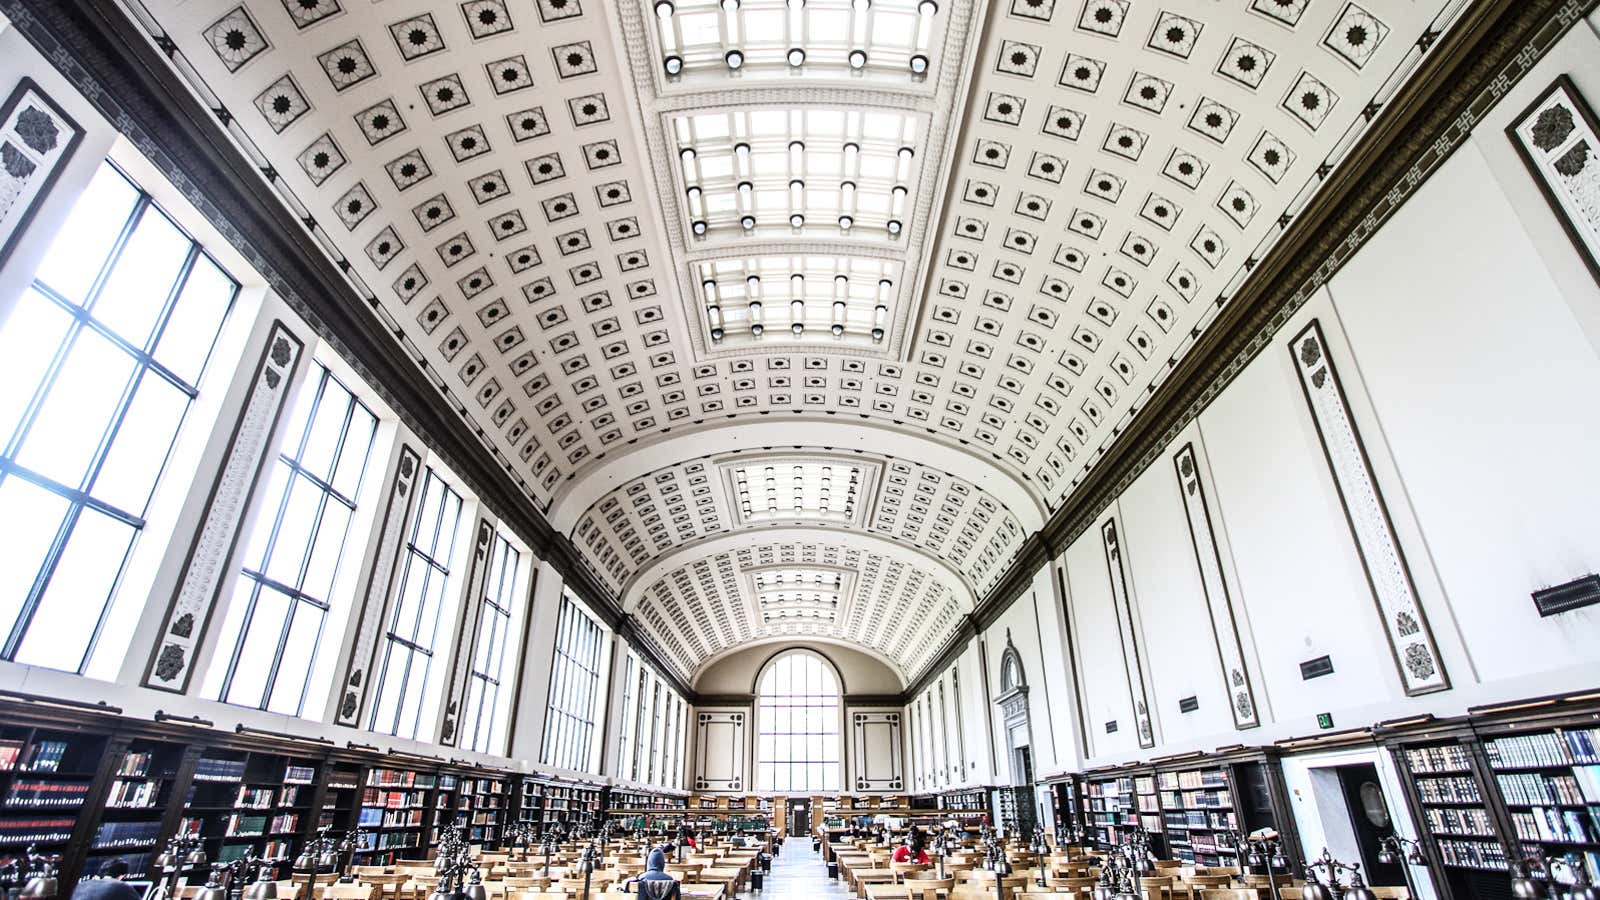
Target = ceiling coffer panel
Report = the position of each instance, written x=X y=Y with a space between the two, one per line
x=799 y=589
x=901 y=500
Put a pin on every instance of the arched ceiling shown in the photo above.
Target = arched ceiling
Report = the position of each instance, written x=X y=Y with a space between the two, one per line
x=622 y=238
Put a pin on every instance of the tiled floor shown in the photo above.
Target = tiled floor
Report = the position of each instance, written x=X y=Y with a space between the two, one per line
x=798 y=871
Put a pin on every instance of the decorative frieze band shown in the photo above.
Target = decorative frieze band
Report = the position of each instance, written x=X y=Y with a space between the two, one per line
x=205 y=570
x=1404 y=624
x=466 y=642
x=370 y=619
x=1219 y=604
x=1132 y=659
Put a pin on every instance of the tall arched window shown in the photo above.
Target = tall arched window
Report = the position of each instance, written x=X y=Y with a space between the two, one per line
x=797 y=717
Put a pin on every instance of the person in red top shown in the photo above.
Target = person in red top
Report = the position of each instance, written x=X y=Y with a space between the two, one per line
x=912 y=850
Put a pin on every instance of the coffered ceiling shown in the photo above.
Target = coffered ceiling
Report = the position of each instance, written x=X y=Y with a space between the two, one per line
x=884 y=277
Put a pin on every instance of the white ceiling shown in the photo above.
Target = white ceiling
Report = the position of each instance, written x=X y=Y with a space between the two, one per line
x=1087 y=182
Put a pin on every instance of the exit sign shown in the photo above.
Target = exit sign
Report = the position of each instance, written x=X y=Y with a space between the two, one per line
x=1324 y=720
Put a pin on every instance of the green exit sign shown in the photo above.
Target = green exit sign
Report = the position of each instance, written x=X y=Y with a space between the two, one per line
x=1324 y=720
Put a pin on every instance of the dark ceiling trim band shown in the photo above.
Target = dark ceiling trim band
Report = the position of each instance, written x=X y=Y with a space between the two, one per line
x=112 y=63
x=1474 y=66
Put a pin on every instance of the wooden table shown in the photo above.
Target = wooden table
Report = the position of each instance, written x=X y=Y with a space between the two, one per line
x=728 y=876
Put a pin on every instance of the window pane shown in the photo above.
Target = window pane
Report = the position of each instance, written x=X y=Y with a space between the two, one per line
x=139 y=450
x=87 y=392
x=295 y=666
x=97 y=219
x=294 y=532
x=192 y=328
x=30 y=516
x=326 y=427
x=68 y=613
x=353 y=456
x=330 y=540
x=29 y=339
x=228 y=637
x=255 y=556
x=146 y=271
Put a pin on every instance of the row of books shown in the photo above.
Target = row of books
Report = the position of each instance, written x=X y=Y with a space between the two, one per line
x=239 y=825
x=387 y=840
x=1195 y=819
x=135 y=765
x=285 y=823
x=41 y=831
x=1534 y=790
x=1459 y=821
x=254 y=797
x=1547 y=823
x=1441 y=758
x=119 y=835
x=34 y=794
x=133 y=794
x=378 y=817
x=1213 y=798
x=1457 y=789
x=1473 y=854
x=212 y=769
x=392 y=799
x=1561 y=747
x=290 y=796
x=402 y=778
x=299 y=775
x=1193 y=779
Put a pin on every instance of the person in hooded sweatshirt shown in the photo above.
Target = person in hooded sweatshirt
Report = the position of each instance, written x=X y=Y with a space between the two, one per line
x=655 y=883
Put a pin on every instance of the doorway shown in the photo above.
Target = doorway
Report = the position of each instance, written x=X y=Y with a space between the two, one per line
x=1370 y=820
x=799 y=818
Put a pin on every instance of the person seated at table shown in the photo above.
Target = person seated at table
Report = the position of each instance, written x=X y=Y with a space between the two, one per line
x=655 y=883
x=913 y=850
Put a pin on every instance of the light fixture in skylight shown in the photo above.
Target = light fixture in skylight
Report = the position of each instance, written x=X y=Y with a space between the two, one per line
x=790 y=491
x=807 y=298
x=799 y=592
x=880 y=39
x=777 y=171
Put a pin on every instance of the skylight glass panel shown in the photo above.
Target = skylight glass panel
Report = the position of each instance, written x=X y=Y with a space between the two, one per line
x=878 y=39
x=797 y=491
x=789 y=299
x=799 y=593
x=801 y=171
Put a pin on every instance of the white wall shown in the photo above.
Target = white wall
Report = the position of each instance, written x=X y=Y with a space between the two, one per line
x=736 y=673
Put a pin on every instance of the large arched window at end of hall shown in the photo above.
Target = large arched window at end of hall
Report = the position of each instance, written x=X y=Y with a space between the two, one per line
x=797 y=715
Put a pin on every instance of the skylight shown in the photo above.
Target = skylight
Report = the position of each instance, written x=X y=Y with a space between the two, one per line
x=790 y=491
x=889 y=39
x=800 y=592
x=811 y=298
x=816 y=172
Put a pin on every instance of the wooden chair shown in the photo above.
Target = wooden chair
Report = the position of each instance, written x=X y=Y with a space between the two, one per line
x=527 y=883
x=906 y=870
x=289 y=890
x=351 y=892
x=1076 y=886
x=1204 y=882
x=1159 y=887
x=928 y=888
x=1235 y=894
x=535 y=895
x=363 y=871
x=1162 y=864
x=1010 y=885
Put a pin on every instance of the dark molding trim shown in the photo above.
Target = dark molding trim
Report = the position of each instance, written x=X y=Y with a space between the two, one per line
x=1473 y=67
x=110 y=61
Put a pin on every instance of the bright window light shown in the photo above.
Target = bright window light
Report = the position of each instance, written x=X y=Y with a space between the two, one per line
x=881 y=39
x=798 y=593
x=772 y=172
x=271 y=636
x=797 y=722
x=100 y=360
x=840 y=299
x=788 y=491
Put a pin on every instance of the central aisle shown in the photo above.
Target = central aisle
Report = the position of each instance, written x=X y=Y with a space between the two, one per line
x=800 y=872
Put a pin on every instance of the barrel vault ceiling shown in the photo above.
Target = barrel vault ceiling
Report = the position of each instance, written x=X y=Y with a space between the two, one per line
x=946 y=248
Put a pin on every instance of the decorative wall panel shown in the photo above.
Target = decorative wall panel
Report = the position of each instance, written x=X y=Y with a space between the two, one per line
x=205 y=570
x=877 y=744
x=374 y=601
x=1219 y=604
x=721 y=748
x=1404 y=623
x=1132 y=660
x=465 y=642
